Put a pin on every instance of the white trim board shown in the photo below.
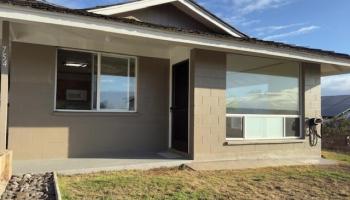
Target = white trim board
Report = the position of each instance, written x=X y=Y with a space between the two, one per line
x=137 y=5
x=28 y=15
x=131 y=6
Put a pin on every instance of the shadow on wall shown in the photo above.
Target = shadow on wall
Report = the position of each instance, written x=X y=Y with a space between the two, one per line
x=36 y=132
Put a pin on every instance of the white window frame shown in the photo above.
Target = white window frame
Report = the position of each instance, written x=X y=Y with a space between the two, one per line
x=99 y=58
x=244 y=125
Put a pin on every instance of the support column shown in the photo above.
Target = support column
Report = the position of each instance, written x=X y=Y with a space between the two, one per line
x=5 y=64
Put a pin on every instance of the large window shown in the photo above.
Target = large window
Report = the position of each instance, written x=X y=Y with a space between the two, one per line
x=262 y=98
x=95 y=82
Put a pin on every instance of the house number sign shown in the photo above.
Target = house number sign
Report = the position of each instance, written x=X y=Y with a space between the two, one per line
x=4 y=57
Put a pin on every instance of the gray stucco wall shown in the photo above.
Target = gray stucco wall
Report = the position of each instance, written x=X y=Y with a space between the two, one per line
x=209 y=113
x=36 y=132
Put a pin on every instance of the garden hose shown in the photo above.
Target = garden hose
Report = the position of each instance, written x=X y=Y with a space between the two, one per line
x=313 y=133
x=313 y=136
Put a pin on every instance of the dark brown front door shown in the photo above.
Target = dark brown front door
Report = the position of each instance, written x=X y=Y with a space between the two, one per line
x=179 y=108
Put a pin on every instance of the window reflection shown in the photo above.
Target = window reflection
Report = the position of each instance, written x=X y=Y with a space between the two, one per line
x=115 y=83
x=262 y=86
x=262 y=94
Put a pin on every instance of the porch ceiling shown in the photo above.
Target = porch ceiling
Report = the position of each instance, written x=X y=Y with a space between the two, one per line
x=70 y=37
x=98 y=40
x=329 y=70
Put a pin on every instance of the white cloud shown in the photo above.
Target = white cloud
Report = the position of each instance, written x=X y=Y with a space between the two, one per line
x=236 y=11
x=250 y=22
x=248 y=6
x=300 y=31
x=272 y=29
x=336 y=85
x=284 y=99
x=239 y=20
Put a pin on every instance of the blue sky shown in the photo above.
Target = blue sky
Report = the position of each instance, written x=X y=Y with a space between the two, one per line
x=320 y=24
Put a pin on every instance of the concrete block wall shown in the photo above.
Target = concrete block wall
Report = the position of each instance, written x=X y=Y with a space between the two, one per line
x=208 y=74
x=312 y=95
x=209 y=109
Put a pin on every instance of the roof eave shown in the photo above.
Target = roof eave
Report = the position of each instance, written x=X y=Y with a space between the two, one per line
x=220 y=43
x=137 y=5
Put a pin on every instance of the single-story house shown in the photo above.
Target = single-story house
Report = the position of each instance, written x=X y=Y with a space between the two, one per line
x=334 y=106
x=150 y=76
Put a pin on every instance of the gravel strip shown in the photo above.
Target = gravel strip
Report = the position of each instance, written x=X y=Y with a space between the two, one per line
x=31 y=186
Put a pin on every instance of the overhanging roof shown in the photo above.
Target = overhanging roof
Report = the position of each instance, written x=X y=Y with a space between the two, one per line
x=190 y=5
x=42 y=13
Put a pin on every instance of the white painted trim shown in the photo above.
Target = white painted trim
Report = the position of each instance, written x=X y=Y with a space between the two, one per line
x=211 y=19
x=55 y=80
x=284 y=116
x=260 y=115
x=188 y=106
x=196 y=41
x=189 y=125
x=284 y=127
x=177 y=55
x=264 y=116
x=98 y=85
x=112 y=10
x=98 y=98
x=94 y=111
x=301 y=101
x=127 y=7
x=136 y=84
x=260 y=140
x=128 y=95
x=170 y=104
x=93 y=81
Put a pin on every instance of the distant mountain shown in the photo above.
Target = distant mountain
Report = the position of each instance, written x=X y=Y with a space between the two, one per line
x=335 y=105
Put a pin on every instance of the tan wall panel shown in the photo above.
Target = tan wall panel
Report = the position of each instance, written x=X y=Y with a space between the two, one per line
x=209 y=133
x=36 y=132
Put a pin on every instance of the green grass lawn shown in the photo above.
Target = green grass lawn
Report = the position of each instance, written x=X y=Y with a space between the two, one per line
x=340 y=156
x=302 y=182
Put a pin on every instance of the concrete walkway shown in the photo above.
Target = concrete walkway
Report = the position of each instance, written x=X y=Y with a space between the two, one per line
x=90 y=165
x=253 y=164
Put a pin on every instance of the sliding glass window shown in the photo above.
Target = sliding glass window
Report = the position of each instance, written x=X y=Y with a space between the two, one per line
x=262 y=98
x=95 y=82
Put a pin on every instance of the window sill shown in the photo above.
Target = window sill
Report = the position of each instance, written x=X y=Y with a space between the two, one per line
x=94 y=113
x=261 y=142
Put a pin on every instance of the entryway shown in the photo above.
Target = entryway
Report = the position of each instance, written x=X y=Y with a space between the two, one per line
x=179 y=107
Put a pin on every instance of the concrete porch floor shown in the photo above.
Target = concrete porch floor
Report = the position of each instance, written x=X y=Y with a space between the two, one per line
x=91 y=165
x=253 y=164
